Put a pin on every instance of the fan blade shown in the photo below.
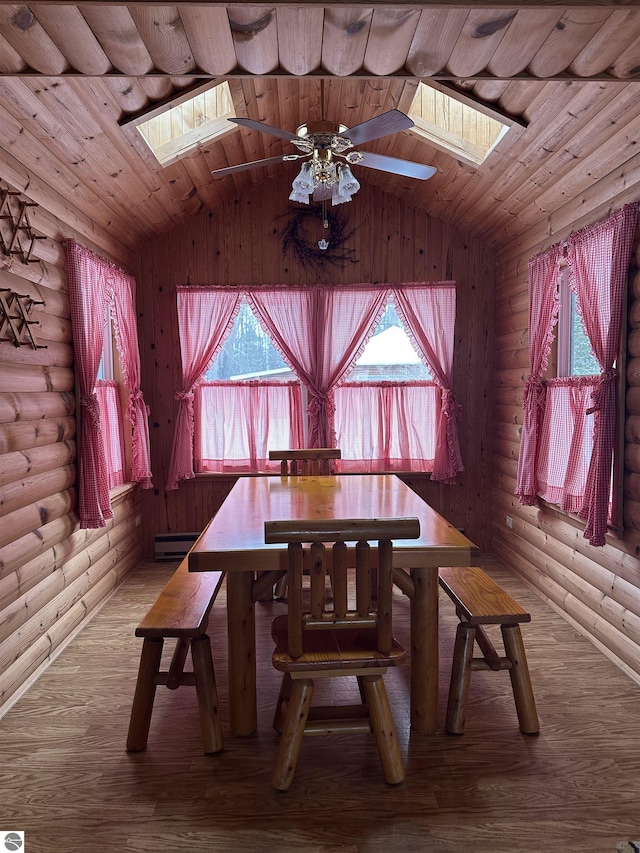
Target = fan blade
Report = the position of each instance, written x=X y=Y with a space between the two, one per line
x=231 y=170
x=265 y=128
x=395 y=166
x=382 y=125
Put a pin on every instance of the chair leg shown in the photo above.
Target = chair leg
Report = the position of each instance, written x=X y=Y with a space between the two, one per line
x=383 y=727
x=145 y=694
x=280 y=589
x=293 y=732
x=283 y=696
x=460 y=678
x=207 y=694
x=520 y=679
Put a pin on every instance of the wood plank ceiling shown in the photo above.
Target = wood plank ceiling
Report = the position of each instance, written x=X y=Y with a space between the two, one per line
x=70 y=74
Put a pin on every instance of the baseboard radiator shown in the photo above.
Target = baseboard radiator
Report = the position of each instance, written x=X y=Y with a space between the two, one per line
x=173 y=546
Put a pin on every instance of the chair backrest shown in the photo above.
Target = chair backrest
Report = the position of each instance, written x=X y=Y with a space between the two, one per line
x=367 y=610
x=308 y=460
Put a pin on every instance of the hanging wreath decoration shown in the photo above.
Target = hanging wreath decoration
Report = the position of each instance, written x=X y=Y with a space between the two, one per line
x=300 y=237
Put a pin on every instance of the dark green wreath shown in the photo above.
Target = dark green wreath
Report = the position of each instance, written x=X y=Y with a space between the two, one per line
x=295 y=238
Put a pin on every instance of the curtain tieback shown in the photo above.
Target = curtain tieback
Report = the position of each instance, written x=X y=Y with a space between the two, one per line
x=534 y=394
x=320 y=402
x=136 y=399
x=90 y=403
x=606 y=378
x=451 y=408
x=185 y=395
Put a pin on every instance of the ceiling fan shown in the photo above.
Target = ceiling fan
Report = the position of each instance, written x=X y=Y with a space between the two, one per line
x=328 y=151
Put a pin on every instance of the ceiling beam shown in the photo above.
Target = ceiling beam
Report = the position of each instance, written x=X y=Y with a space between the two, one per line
x=276 y=75
x=395 y=4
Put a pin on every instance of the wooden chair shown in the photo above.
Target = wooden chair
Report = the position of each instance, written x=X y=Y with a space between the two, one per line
x=309 y=461
x=480 y=601
x=181 y=611
x=351 y=639
x=312 y=461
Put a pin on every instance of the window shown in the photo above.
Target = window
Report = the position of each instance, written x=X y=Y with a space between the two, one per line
x=568 y=418
x=108 y=396
x=456 y=123
x=187 y=123
x=574 y=350
x=572 y=427
x=249 y=402
x=95 y=285
x=282 y=367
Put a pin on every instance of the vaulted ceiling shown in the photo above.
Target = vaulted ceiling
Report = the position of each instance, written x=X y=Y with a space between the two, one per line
x=71 y=75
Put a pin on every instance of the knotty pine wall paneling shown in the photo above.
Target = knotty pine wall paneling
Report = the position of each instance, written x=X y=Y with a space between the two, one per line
x=52 y=574
x=239 y=244
x=596 y=589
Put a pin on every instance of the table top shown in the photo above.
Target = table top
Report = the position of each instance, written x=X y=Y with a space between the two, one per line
x=234 y=539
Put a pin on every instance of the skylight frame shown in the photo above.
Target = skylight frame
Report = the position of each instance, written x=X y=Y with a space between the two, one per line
x=183 y=144
x=450 y=142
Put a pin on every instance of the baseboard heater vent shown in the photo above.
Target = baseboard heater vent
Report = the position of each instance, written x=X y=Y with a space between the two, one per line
x=173 y=546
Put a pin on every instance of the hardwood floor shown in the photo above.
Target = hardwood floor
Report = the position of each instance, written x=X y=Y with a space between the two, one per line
x=67 y=781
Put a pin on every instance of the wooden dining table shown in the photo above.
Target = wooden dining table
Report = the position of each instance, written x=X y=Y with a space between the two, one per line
x=233 y=541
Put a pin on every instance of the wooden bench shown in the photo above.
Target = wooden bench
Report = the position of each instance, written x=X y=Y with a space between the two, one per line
x=479 y=601
x=181 y=611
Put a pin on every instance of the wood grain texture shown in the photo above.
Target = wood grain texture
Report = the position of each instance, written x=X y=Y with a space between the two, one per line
x=242 y=247
x=571 y=787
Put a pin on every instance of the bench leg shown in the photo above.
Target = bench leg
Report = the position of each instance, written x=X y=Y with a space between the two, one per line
x=176 y=669
x=383 y=727
x=145 y=694
x=460 y=678
x=207 y=694
x=520 y=679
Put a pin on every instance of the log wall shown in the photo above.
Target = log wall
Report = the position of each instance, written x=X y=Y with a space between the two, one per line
x=239 y=244
x=52 y=574
x=596 y=589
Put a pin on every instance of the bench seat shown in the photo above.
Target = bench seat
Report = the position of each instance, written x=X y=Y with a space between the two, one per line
x=181 y=611
x=480 y=601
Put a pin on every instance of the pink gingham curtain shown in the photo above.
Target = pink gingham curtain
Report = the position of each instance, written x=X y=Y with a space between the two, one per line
x=429 y=314
x=108 y=398
x=124 y=316
x=88 y=299
x=205 y=318
x=320 y=333
x=254 y=422
x=598 y=258
x=543 y=314
x=553 y=457
x=387 y=438
x=95 y=283
x=565 y=442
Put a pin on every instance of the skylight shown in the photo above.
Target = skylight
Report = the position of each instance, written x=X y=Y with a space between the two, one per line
x=188 y=122
x=454 y=125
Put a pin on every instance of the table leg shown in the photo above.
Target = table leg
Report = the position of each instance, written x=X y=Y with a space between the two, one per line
x=241 y=631
x=424 y=650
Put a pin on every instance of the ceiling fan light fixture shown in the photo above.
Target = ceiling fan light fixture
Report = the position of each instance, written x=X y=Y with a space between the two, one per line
x=303 y=185
x=324 y=173
x=347 y=184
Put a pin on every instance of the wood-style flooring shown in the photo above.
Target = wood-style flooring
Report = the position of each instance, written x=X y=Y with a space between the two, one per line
x=67 y=781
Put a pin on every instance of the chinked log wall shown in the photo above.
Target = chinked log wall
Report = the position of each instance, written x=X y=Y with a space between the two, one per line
x=52 y=574
x=597 y=589
x=239 y=244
